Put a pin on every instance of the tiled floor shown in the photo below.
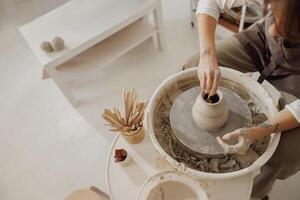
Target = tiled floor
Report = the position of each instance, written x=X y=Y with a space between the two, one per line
x=47 y=148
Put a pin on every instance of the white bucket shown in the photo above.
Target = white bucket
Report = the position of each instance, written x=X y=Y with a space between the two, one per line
x=171 y=185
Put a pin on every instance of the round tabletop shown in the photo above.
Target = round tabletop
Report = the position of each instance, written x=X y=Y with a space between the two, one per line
x=124 y=182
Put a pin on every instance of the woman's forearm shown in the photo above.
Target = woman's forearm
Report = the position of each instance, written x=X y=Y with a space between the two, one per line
x=284 y=120
x=206 y=30
x=281 y=121
x=208 y=70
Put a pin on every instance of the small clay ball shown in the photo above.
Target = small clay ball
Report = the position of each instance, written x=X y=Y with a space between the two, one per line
x=46 y=46
x=58 y=44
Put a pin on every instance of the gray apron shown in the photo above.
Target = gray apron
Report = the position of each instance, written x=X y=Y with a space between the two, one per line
x=278 y=61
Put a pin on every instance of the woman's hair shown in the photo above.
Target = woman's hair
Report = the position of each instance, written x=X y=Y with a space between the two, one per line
x=287 y=17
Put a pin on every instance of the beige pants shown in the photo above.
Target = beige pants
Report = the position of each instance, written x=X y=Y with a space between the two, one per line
x=286 y=159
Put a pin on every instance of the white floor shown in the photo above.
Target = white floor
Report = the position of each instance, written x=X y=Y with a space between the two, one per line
x=47 y=148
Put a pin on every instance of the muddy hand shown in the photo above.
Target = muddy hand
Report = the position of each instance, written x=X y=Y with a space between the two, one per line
x=244 y=140
x=209 y=75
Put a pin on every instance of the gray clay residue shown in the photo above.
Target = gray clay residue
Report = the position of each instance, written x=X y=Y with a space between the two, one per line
x=213 y=164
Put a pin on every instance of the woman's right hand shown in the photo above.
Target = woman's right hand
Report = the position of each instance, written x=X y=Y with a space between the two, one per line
x=209 y=74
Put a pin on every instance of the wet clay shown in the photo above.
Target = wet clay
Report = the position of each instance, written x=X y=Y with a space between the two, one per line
x=213 y=164
x=211 y=99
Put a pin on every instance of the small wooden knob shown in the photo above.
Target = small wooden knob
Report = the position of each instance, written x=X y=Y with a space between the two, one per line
x=46 y=46
x=58 y=44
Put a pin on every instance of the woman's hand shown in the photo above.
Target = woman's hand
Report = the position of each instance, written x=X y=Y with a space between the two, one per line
x=281 y=121
x=245 y=137
x=209 y=74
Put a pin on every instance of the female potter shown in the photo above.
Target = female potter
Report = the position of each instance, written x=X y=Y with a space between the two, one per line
x=271 y=47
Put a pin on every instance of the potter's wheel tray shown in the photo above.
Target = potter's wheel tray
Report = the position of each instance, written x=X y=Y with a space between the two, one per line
x=202 y=141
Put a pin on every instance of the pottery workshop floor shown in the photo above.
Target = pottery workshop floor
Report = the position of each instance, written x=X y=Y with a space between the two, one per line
x=47 y=148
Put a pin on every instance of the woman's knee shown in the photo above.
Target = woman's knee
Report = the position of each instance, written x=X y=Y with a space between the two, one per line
x=286 y=156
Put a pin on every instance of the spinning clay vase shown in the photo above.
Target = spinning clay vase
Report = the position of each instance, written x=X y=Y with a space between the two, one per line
x=210 y=113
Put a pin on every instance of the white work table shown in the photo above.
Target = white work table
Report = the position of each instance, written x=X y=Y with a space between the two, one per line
x=113 y=27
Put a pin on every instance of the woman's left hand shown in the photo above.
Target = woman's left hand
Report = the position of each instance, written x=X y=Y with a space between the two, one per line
x=245 y=137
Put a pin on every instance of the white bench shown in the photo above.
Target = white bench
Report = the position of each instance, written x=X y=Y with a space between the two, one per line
x=110 y=27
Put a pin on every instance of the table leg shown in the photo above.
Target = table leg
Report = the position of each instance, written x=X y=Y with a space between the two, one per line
x=160 y=36
x=53 y=73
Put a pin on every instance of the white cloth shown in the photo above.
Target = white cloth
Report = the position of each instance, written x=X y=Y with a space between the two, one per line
x=294 y=108
x=213 y=8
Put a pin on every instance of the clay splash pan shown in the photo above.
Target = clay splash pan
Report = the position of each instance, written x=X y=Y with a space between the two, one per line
x=219 y=163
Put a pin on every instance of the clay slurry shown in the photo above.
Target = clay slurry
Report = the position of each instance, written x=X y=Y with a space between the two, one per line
x=211 y=99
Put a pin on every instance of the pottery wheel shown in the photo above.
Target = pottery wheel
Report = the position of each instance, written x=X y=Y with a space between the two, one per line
x=202 y=141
